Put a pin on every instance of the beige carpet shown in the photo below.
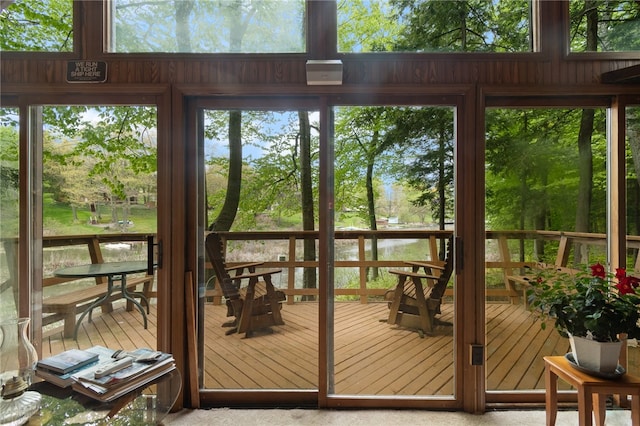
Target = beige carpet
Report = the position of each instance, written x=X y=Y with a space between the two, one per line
x=304 y=417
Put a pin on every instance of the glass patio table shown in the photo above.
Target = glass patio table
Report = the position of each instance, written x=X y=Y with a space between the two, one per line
x=114 y=271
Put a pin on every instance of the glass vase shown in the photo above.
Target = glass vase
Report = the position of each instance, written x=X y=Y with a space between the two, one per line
x=17 y=366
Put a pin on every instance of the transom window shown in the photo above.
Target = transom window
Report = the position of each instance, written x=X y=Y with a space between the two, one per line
x=205 y=26
x=36 y=26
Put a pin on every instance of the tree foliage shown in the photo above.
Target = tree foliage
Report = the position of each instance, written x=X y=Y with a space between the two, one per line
x=364 y=26
x=617 y=25
x=37 y=25
x=466 y=26
x=190 y=26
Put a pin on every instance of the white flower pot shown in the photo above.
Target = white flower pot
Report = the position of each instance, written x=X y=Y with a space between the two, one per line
x=597 y=356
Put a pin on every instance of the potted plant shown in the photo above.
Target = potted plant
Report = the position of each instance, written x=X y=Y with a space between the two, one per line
x=589 y=308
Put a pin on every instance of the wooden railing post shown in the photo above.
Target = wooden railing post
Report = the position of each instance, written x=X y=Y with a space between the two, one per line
x=96 y=257
x=505 y=255
x=291 y=270
x=362 y=269
x=563 y=251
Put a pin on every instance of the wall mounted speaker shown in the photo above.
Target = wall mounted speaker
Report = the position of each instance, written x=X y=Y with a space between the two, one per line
x=324 y=72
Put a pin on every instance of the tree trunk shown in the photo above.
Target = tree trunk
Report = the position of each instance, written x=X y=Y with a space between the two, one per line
x=585 y=155
x=227 y=215
x=585 y=183
x=371 y=205
x=633 y=138
x=232 y=198
x=442 y=185
x=372 y=218
x=183 y=34
x=308 y=216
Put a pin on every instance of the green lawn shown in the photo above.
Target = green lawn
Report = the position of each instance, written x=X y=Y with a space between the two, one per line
x=59 y=220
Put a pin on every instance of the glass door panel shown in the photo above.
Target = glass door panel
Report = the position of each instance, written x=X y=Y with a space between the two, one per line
x=9 y=212
x=546 y=189
x=99 y=204
x=259 y=193
x=632 y=155
x=394 y=197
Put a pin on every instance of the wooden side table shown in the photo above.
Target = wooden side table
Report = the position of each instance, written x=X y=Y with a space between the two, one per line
x=592 y=391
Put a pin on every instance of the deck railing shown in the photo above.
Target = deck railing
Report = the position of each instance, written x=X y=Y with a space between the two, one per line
x=506 y=252
x=91 y=242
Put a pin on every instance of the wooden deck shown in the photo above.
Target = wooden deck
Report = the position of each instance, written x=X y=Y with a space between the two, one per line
x=371 y=357
x=119 y=329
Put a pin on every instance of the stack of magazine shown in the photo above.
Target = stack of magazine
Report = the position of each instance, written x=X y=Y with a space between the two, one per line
x=102 y=373
x=58 y=369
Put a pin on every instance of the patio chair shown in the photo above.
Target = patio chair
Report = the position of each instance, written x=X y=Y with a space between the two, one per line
x=414 y=305
x=255 y=306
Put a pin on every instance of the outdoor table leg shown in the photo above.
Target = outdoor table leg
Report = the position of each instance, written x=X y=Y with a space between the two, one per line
x=129 y=295
x=94 y=305
x=126 y=295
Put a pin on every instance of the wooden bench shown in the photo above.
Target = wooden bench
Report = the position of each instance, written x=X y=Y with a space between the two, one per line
x=66 y=306
x=517 y=283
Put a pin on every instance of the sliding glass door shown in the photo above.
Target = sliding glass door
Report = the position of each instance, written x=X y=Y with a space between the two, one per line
x=339 y=213
x=258 y=192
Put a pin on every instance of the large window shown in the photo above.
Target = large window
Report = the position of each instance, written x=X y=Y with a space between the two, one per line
x=434 y=26
x=546 y=189
x=37 y=25
x=204 y=26
x=604 y=26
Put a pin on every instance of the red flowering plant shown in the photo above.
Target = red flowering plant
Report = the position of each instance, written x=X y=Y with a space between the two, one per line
x=596 y=305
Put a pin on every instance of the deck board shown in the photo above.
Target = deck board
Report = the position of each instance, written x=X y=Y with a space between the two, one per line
x=371 y=356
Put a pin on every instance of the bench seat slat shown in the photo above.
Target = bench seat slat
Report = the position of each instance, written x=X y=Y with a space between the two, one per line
x=65 y=306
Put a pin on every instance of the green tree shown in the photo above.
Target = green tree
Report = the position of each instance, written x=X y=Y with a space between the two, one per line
x=204 y=26
x=604 y=25
x=238 y=16
x=111 y=148
x=364 y=26
x=307 y=201
x=425 y=136
x=363 y=130
x=37 y=25
x=533 y=170
x=9 y=178
x=633 y=168
x=466 y=26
